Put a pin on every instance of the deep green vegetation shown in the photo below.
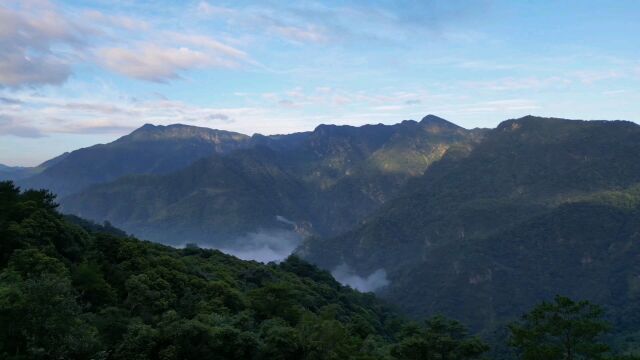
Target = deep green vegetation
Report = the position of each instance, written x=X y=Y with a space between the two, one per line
x=324 y=181
x=87 y=292
x=71 y=289
x=498 y=222
x=562 y=329
x=540 y=207
x=440 y=338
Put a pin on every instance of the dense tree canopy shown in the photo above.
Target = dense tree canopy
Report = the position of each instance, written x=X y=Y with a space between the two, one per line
x=70 y=289
x=562 y=329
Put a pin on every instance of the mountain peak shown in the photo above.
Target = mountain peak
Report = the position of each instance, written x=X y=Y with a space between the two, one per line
x=436 y=121
x=532 y=122
x=180 y=132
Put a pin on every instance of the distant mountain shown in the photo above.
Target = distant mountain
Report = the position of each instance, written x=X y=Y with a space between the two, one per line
x=148 y=150
x=322 y=182
x=539 y=207
x=216 y=197
x=15 y=173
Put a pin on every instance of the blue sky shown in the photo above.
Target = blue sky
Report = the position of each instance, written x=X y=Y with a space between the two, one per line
x=76 y=73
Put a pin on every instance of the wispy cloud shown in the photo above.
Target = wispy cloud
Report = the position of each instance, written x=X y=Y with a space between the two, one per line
x=593 y=76
x=40 y=44
x=115 y=21
x=523 y=83
x=36 y=45
x=10 y=125
x=372 y=282
x=580 y=77
x=340 y=98
x=9 y=101
x=32 y=116
x=157 y=63
x=277 y=22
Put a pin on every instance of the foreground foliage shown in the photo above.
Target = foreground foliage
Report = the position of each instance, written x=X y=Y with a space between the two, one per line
x=87 y=292
x=70 y=289
x=563 y=329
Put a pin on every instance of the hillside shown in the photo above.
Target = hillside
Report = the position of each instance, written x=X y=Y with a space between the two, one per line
x=321 y=182
x=217 y=197
x=87 y=293
x=540 y=207
x=15 y=172
x=148 y=150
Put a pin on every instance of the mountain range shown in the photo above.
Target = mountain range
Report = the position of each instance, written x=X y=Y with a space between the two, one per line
x=540 y=207
x=148 y=150
x=23 y=172
x=320 y=182
x=475 y=224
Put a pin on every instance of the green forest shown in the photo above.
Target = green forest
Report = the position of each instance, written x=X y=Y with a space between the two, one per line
x=72 y=289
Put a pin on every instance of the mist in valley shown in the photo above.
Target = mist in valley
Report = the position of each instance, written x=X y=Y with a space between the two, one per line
x=264 y=246
x=370 y=283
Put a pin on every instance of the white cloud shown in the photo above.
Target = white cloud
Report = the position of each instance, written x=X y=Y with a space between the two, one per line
x=116 y=21
x=340 y=98
x=525 y=83
x=30 y=39
x=374 y=281
x=219 y=117
x=586 y=77
x=204 y=8
x=308 y=34
x=264 y=246
x=40 y=44
x=10 y=125
x=165 y=59
x=590 y=77
x=151 y=62
x=18 y=69
x=97 y=114
x=207 y=43
x=498 y=106
x=276 y=22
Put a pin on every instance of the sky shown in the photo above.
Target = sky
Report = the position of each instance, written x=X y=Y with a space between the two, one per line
x=77 y=73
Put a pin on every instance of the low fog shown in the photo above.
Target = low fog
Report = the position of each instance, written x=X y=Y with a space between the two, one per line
x=277 y=244
x=346 y=276
x=264 y=246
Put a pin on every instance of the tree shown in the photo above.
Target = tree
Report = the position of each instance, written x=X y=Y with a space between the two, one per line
x=39 y=312
x=440 y=339
x=72 y=289
x=280 y=341
x=562 y=329
x=148 y=294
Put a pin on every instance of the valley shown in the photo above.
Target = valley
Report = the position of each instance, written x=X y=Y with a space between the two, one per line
x=477 y=225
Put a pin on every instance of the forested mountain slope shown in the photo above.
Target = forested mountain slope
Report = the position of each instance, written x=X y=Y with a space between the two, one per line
x=322 y=182
x=148 y=150
x=72 y=289
x=89 y=293
x=541 y=206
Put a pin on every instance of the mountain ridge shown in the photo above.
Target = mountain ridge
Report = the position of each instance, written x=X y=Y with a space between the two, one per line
x=434 y=238
x=340 y=174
